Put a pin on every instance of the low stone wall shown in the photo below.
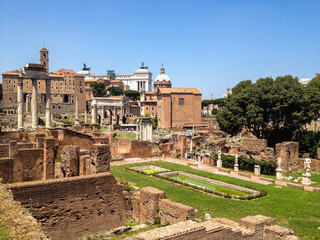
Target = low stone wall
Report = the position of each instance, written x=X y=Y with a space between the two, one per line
x=251 y=228
x=126 y=148
x=222 y=184
x=73 y=207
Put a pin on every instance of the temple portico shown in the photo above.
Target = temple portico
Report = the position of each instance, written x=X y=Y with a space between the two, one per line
x=34 y=72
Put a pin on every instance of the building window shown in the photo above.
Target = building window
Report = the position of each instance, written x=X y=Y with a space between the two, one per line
x=181 y=101
x=146 y=108
x=152 y=108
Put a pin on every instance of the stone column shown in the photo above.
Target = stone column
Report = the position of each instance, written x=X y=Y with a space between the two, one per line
x=102 y=117
x=219 y=162
x=20 y=104
x=48 y=103
x=85 y=116
x=77 y=122
x=279 y=170
x=236 y=163
x=28 y=103
x=191 y=144
x=94 y=114
x=34 y=104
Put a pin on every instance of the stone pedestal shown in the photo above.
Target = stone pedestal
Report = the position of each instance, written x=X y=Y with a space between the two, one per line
x=86 y=128
x=95 y=127
x=279 y=174
x=306 y=178
x=257 y=170
x=219 y=164
x=236 y=167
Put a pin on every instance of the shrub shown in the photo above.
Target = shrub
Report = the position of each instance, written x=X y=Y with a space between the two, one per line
x=247 y=164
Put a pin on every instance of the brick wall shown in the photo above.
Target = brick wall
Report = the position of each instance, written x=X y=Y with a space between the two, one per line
x=73 y=207
x=289 y=153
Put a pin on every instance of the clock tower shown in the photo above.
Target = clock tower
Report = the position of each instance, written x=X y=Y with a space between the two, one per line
x=44 y=58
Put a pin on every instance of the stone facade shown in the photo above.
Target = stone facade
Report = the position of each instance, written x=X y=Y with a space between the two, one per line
x=74 y=207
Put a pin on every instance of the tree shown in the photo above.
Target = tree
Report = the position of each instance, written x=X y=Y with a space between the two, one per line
x=132 y=94
x=313 y=97
x=270 y=109
x=115 y=91
x=98 y=89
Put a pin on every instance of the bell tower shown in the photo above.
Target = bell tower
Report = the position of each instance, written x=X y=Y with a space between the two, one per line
x=44 y=58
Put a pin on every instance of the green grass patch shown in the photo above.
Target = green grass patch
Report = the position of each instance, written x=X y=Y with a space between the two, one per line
x=149 y=171
x=292 y=208
x=4 y=234
x=208 y=185
x=126 y=135
x=64 y=121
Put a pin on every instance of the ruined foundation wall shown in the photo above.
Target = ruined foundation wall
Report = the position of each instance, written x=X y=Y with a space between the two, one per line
x=289 y=153
x=73 y=207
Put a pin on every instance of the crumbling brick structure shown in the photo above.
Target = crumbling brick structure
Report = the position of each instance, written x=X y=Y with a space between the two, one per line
x=152 y=204
x=257 y=149
x=251 y=228
x=289 y=153
x=126 y=148
x=74 y=207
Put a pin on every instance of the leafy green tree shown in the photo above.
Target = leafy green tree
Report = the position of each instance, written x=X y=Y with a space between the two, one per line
x=132 y=94
x=270 y=109
x=115 y=91
x=98 y=89
x=219 y=101
x=313 y=97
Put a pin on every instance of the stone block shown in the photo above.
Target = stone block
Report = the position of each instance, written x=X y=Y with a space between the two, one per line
x=173 y=212
x=100 y=158
x=40 y=142
x=149 y=203
x=256 y=223
x=289 y=153
x=48 y=158
x=70 y=161
x=276 y=232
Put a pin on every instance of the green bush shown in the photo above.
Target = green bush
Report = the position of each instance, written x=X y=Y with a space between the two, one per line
x=247 y=164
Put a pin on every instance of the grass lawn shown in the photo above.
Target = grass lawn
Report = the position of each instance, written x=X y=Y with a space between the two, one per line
x=4 y=235
x=127 y=135
x=208 y=185
x=293 y=208
x=149 y=171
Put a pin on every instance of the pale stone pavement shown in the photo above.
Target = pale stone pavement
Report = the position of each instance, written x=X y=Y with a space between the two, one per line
x=204 y=167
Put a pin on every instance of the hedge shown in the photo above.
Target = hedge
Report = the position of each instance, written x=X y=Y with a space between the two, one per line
x=247 y=164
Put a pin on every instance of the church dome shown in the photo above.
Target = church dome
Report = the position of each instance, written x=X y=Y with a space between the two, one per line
x=162 y=76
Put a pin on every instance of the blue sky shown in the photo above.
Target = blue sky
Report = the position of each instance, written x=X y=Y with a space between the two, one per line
x=205 y=44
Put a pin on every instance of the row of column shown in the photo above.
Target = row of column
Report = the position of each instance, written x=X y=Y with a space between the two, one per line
x=142 y=84
x=34 y=104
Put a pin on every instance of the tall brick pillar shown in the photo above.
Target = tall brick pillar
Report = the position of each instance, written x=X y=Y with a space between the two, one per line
x=48 y=158
x=70 y=161
x=100 y=158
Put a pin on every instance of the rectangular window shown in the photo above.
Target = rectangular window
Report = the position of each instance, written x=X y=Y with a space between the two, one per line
x=181 y=101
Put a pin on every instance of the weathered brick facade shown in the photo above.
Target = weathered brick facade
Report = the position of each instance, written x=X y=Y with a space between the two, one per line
x=73 y=207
